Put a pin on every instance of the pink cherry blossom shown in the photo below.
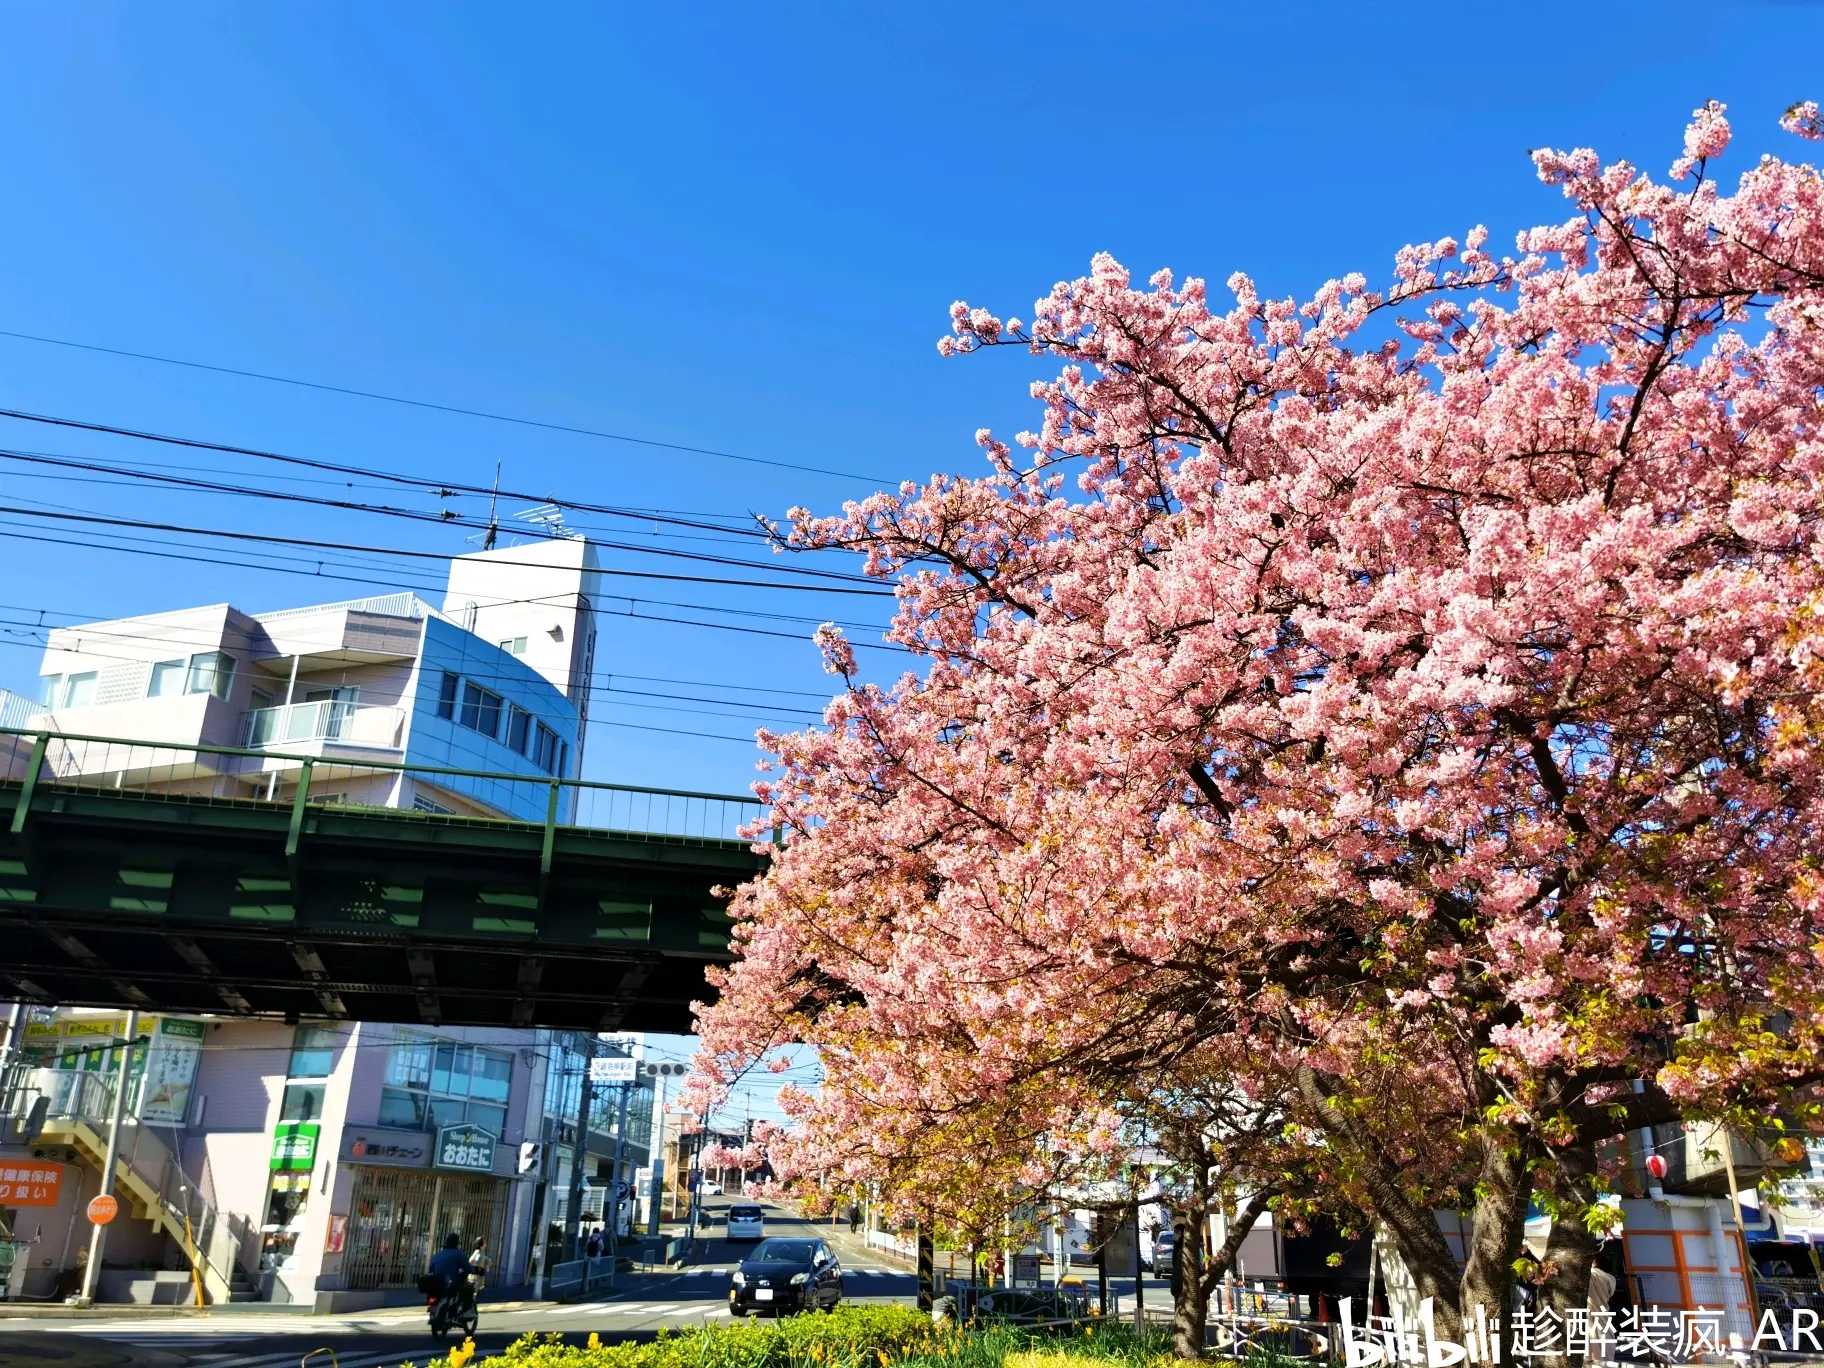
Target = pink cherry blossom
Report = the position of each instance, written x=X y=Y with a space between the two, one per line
x=1396 y=706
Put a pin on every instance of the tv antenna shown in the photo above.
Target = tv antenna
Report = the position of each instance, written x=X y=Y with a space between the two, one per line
x=492 y=535
x=549 y=519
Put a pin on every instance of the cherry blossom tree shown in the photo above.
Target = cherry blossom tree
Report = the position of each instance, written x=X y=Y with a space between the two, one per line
x=1413 y=700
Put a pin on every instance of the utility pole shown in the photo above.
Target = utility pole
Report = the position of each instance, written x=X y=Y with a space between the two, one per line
x=656 y=1148
x=1139 y=1268
x=98 y=1233
x=696 y=1171
x=15 y=1026
x=1101 y=1220
x=620 y=1148
x=573 y=1210
x=927 y=1264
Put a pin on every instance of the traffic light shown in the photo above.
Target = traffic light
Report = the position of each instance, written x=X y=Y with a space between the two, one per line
x=665 y=1070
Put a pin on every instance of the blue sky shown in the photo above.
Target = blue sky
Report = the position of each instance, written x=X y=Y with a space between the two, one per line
x=728 y=226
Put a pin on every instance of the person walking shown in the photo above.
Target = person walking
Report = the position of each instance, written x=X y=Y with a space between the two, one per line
x=480 y=1263
x=854 y=1217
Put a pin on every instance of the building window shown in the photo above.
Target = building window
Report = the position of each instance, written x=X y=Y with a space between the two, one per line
x=167 y=679
x=431 y=1084
x=480 y=710
x=514 y=646
x=545 y=749
x=47 y=694
x=302 y=1102
x=446 y=700
x=519 y=729
x=79 y=689
x=211 y=672
x=424 y=803
x=313 y=1052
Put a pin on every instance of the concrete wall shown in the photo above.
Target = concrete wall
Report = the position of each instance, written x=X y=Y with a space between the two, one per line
x=240 y=1078
x=541 y=591
x=122 y=651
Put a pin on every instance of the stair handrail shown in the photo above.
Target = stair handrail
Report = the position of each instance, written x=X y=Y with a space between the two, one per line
x=86 y=1096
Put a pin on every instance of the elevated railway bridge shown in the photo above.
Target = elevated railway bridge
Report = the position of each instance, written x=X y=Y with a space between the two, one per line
x=138 y=874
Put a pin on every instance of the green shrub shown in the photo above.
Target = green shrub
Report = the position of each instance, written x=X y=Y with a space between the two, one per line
x=848 y=1337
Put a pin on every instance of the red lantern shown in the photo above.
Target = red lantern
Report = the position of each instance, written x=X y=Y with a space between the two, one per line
x=1656 y=1165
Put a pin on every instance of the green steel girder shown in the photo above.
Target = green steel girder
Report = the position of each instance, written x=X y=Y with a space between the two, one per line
x=206 y=905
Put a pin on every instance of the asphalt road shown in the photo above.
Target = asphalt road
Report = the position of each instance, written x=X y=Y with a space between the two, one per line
x=640 y=1307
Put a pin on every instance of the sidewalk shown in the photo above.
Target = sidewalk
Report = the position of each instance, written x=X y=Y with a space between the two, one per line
x=15 y=1314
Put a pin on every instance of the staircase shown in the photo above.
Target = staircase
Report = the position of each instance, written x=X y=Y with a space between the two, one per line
x=147 y=1176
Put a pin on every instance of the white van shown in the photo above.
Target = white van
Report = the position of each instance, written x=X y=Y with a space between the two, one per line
x=746 y=1223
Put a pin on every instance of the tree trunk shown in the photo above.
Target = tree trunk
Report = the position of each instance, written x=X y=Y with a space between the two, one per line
x=1414 y=1228
x=1191 y=1305
x=1502 y=1192
x=1570 y=1249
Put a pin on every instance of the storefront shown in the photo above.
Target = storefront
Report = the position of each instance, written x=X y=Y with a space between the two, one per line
x=412 y=1188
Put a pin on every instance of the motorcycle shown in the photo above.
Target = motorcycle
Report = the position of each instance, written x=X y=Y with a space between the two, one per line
x=452 y=1307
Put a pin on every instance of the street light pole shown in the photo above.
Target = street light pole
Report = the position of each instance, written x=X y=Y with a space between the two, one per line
x=98 y=1232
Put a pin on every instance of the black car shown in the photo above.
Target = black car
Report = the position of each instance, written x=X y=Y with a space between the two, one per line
x=783 y=1275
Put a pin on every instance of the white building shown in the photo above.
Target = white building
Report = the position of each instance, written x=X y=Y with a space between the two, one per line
x=497 y=680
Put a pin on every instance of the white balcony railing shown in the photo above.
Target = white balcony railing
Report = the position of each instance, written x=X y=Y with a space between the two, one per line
x=326 y=720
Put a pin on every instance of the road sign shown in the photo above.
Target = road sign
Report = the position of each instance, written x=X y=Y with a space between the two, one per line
x=103 y=1209
x=613 y=1069
x=531 y=1157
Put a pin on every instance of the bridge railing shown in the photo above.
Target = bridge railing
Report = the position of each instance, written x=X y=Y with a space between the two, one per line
x=330 y=774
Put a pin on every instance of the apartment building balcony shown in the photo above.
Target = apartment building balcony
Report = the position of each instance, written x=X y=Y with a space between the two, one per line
x=335 y=723
x=360 y=631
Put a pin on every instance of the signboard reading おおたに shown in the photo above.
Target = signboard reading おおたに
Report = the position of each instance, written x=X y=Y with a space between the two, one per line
x=467 y=1147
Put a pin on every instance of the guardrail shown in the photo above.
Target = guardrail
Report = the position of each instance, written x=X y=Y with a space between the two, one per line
x=580 y=1278
x=199 y=772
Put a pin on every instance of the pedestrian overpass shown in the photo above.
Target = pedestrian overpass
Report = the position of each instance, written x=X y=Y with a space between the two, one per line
x=139 y=874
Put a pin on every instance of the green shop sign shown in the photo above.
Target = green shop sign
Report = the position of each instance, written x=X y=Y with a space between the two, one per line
x=467 y=1147
x=294 y=1146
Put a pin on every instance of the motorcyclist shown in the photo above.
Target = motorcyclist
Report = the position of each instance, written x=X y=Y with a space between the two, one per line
x=449 y=1264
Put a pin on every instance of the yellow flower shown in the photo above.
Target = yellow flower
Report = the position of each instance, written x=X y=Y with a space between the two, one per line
x=595 y=1340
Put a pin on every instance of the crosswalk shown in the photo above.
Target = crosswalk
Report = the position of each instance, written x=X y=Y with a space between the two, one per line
x=215 y=1354
x=242 y=1327
x=614 y=1308
x=388 y=1358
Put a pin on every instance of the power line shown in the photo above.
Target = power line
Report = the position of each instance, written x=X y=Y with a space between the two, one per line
x=266 y=537
x=140 y=477
x=385 y=582
x=394 y=477
x=706 y=684
x=441 y=408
